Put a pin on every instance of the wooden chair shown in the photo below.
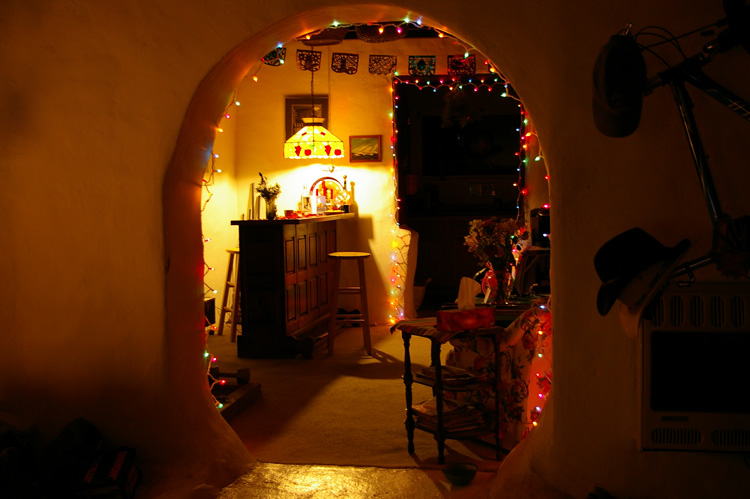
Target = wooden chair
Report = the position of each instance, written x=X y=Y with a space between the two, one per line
x=362 y=317
x=232 y=282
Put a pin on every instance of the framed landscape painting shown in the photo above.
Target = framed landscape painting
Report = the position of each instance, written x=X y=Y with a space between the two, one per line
x=365 y=148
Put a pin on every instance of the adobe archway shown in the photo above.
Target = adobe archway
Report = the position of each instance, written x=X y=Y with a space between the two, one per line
x=224 y=454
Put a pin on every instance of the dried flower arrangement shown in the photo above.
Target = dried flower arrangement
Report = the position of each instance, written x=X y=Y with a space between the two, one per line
x=267 y=192
x=493 y=240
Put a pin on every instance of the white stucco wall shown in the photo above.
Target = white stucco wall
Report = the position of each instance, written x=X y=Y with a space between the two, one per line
x=97 y=117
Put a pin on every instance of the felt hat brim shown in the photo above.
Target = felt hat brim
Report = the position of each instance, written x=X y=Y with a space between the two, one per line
x=631 y=316
x=656 y=275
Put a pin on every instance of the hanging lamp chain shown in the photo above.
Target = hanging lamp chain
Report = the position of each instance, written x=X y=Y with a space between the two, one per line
x=312 y=93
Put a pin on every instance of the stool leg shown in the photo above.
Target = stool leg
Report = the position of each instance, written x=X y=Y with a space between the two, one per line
x=365 y=312
x=236 y=304
x=230 y=266
x=334 y=305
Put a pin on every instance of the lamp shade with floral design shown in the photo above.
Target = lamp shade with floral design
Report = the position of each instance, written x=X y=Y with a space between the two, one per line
x=313 y=141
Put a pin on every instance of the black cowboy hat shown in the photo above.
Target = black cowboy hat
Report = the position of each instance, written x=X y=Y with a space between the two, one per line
x=628 y=255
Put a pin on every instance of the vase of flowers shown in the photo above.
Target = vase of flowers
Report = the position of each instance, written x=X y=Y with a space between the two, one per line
x=493 y=242
x=269 y=193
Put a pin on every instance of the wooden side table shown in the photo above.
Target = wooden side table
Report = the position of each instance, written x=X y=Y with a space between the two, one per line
x=425 y=328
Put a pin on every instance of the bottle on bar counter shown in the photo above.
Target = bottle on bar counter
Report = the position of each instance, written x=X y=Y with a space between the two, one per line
x=304 y=202
x=321 y=202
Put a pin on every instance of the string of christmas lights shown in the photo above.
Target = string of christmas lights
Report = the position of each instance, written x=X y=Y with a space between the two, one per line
x=378 y=31
x=543 y=369
x=520 y=185
x=212 y=380
x=476 y=82
x=532 y=149
x=399 y=243
x=208 y=182
x=386 y=30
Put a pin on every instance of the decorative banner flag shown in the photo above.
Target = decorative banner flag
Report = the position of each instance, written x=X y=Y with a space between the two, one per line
x=422 y=65
x=308 y=60
x=382 y=64
x=345 y=63
x=275 y=57
x=460 y=65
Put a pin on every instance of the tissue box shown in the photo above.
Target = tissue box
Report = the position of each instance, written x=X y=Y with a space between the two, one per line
x=465 y=320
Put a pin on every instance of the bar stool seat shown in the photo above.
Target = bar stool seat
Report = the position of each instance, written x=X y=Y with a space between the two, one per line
x=231 y=283
x=363 y=317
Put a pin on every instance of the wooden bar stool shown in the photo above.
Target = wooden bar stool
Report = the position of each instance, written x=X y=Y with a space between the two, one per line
x=363 y=317
x=232 y=282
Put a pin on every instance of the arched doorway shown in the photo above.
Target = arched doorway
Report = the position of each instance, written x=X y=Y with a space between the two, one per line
x=182 y=190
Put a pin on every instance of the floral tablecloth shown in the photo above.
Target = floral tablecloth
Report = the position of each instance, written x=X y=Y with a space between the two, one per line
x=525 y=367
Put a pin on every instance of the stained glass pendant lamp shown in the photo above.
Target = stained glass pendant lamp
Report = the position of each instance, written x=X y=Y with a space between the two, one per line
x=313 y=141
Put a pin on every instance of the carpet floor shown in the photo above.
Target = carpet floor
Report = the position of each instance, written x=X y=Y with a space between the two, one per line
x=345 y=409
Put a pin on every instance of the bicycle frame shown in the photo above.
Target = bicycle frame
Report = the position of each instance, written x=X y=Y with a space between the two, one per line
x=689 y=71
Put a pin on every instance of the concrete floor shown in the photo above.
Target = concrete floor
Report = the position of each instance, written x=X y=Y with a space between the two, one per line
x=288 y=481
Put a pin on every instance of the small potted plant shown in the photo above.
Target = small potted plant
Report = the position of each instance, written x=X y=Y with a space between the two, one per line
x=269 y=193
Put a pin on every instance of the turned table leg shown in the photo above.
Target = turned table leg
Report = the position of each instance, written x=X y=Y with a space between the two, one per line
x=408 y=381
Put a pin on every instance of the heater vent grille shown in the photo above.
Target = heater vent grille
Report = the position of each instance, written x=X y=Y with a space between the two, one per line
x=676 y=436
x=676 y=311
x=737 y=311
x=657 y=313
x=719 y=311
x=731 y=438
x=697 y=317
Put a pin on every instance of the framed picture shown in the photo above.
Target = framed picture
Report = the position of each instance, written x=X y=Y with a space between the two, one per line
x=299 y=107
x=365 y=148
